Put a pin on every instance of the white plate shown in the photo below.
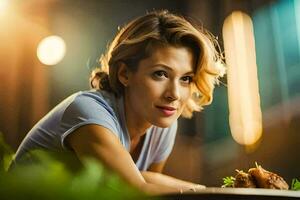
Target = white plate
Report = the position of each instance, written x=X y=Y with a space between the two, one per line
x=250 y=191
x=212 y=193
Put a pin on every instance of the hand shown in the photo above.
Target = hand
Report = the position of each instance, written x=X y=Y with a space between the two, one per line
x=198 y=187
x=194 y=188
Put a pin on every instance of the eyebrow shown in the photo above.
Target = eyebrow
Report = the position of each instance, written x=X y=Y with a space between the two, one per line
x=170 y=69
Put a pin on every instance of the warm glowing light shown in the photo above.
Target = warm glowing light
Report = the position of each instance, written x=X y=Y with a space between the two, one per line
x=3 y=6
x=245 y=116
x=51 y=50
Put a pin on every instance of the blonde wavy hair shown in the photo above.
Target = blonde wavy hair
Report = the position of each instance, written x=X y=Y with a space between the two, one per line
x=139 y=38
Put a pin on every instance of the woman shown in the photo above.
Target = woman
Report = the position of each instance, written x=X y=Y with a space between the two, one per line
x=157 y=68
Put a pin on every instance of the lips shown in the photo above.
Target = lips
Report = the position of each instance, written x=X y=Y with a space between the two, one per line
x=167 y=110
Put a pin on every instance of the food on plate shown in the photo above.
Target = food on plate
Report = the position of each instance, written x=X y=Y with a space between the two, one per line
x=256 y=178
x=243 y=179
x=266 y=179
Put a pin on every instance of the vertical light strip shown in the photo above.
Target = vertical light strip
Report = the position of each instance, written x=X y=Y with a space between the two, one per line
x=281 y=63
x=243 y=96
x=297 y=19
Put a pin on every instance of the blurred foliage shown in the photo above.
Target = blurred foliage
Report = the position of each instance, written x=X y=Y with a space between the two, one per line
x=47 y=177
x=6 y=154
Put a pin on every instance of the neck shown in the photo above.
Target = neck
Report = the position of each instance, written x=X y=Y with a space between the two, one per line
x=136 y=125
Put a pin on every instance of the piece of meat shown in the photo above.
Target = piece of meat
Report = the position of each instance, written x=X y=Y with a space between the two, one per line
x=243 y=180
x=266 y=179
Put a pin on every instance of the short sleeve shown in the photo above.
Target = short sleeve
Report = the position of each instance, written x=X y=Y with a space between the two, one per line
x=85 y=110
x=165 y=143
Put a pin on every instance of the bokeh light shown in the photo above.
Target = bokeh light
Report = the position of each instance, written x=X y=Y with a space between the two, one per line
x=51 y=50
x=245 y=116
x=3 y=6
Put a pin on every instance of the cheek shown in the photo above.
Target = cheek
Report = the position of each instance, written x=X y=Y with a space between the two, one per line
x=185 y=94
x=145 y=92
x=151 y=88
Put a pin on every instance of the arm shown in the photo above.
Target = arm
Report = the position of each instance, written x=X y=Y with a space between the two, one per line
x=155 y=176
x=98 y=142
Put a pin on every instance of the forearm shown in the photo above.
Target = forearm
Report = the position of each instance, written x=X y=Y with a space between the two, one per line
x=164 y=180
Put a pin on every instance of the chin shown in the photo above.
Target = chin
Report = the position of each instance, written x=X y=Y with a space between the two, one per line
x=164 y=123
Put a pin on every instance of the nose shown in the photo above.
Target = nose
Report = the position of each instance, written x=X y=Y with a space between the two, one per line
x=172 y=92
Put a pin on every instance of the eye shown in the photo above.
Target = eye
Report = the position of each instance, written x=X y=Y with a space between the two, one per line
x=187 y=79
x=160 y=74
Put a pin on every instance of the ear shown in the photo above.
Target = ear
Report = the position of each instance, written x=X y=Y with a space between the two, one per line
x=123 y=74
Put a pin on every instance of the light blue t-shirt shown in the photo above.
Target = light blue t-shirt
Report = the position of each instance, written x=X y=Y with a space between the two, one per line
x=101 y=108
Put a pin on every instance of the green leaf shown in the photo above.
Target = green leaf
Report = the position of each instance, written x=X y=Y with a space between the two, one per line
x=228 y=181
x=295 y=184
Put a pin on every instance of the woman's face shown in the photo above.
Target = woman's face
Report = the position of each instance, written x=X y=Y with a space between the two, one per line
x=158 y=91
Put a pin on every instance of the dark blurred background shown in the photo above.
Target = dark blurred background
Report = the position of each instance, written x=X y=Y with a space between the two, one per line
x=205 y=151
